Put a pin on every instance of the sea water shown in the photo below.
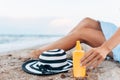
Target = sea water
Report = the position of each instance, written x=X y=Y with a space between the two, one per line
x=17 y=42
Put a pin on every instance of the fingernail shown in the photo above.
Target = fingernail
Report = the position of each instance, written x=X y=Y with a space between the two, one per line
x=91 y=67
x=80 y=64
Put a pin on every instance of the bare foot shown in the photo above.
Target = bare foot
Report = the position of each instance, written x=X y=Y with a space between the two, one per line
x=35 y=53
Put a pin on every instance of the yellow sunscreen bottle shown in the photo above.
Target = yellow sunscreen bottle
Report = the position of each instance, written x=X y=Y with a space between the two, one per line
x=78 y=70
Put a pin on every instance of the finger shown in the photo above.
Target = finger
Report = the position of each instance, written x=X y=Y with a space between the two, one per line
x=93 y=61
x=86 y=55
x=98 y=62
x=89 y=59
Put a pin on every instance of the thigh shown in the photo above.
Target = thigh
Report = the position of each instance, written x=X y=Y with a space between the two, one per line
x=93 y=37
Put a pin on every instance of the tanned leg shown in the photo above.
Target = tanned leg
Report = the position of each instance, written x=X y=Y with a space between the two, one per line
x=87 y=31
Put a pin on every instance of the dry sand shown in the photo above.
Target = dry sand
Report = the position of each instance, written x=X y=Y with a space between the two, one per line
x=10 y=69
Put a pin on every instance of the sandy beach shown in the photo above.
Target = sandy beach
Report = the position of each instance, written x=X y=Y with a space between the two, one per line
x=10 y=69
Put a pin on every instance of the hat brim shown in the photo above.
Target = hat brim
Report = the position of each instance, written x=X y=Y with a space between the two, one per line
x=30 y=68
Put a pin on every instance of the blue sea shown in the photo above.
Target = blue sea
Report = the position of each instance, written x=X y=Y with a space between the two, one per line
x=17 y=42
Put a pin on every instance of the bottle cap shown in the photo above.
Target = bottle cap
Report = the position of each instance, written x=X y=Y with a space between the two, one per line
x=78 y=46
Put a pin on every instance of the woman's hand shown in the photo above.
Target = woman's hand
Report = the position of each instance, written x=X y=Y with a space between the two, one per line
x=94 y=57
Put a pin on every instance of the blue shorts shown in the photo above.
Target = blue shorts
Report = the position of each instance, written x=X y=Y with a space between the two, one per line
x=108 y=30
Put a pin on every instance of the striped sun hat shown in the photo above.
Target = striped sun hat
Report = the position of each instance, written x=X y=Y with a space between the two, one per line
x=49 y=62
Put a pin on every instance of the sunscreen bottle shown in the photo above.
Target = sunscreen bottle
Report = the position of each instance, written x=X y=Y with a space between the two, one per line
x=78 y=70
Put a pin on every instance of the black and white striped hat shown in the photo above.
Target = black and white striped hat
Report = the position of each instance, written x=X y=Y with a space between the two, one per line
x=50 y=62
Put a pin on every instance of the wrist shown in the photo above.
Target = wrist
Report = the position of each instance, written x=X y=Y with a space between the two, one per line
x=106 y=48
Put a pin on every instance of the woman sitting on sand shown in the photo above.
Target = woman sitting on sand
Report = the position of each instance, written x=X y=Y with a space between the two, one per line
x=104 y=37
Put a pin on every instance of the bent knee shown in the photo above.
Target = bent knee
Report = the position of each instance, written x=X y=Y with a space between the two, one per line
x=89 y=23
x=87 y=19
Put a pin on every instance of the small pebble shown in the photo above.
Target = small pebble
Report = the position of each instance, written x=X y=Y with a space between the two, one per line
x=12 y=64
x=10 y=55
x=63 y=76
x=14 y=58
x=19 y=58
